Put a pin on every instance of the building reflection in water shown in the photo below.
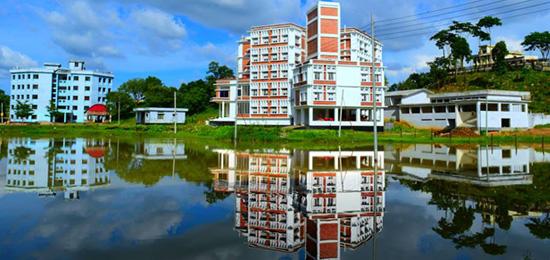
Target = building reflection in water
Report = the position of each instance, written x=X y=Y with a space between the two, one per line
x=319 y=200
x=48 y=166
x=483 y=166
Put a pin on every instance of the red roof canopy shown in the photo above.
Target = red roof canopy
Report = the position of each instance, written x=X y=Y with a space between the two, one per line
x=98 y=109
x=95 y=152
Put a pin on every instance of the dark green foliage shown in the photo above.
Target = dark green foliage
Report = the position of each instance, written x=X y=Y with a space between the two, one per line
x=499 y=53
x=53 y=111
x=5 y=100
x=126 y=104
x=538 y=41
x=23 y=110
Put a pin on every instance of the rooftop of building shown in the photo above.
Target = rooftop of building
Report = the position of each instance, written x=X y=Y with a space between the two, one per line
x=159 y=109
x=52 y=66
x=402 y=93
x=485 y=92
x=277 y=25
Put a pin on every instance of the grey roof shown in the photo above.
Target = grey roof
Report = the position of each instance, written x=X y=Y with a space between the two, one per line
x=406 y=92
x=523 y=94
x=159 y=109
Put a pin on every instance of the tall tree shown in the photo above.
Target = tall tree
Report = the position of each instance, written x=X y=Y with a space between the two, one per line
x=23 y=110
x=498 y=54
x=215 y=72
x=538 y=41
x=487 y=23
x=460 y=50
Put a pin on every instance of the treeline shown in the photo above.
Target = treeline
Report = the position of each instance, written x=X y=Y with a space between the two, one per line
x=152 y=92
x=456 y=52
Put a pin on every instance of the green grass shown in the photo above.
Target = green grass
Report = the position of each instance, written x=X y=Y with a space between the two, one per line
x=196 y=129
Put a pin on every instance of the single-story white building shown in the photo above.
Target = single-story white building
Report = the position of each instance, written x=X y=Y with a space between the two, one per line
x=160 y=115
x=480 y=109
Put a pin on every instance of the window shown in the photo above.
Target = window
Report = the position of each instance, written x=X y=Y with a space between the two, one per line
x=87 y=78
x=505 y=107
x=331 y=75
x=35 y=76
x=439 y=109
x=160 y=116
x=405 y=110
x=427 y=110
x=87 y=98
x=75 y=108
x=505 y=122
x=34 y=96
x=75 y=97
x=35 y=86
x=317 y=75
x=75 y=88
x=87 y=88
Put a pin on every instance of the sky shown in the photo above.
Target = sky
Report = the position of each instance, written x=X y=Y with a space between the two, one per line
x=176 y=39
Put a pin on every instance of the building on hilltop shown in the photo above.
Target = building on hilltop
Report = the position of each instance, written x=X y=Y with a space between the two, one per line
x=73 y=91
x=317 y=76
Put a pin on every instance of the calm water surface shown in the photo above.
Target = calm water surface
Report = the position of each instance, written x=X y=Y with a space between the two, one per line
x=156 y=198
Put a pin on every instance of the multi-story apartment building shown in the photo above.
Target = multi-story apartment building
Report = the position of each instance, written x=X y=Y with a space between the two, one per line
x=334 y=86
x=263 y=187
x=261 y=95
x=73 y=90
x=320 y=200
x=320 y=76
x=45 y=166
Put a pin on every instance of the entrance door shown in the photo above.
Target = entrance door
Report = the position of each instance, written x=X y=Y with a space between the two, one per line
x=505 y=122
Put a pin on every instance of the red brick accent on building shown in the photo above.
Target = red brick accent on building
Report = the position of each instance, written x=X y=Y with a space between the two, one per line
x=312 y=47
x=312 y=29
x=329 y=44
x=328 y=250
x=329 y=26
x=312 y=14
x=329 y=11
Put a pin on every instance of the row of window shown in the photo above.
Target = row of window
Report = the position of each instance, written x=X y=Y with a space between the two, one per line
x=25 y=76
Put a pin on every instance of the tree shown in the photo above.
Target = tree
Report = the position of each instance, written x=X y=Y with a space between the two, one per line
x=5 y=101
x=498 y=54
x=53 y=111
x=460 y=51
x=126 y=104
x=195 y=96
x=136 y=88
x=215 y=72
x=23 y=110
x=487 y=23
x=538 y=41
x=443 y=39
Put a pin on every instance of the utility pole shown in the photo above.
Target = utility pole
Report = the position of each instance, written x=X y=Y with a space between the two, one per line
x=375 y=132
x=2 y=113
x=175 y=115
x=236 y=115
x=340 y=115
x=118 y=113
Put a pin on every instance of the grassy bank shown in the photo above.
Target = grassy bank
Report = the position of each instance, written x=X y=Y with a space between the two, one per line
x=195 y=128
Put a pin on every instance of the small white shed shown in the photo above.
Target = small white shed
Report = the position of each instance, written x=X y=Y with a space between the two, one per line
x=159 y=115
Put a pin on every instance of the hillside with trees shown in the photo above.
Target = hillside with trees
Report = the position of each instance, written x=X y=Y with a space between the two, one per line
x=449 y=72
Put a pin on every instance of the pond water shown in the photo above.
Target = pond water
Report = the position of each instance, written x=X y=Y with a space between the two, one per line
x=160 y=198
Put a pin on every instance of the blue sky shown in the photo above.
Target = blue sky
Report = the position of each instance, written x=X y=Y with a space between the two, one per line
x=176 y=39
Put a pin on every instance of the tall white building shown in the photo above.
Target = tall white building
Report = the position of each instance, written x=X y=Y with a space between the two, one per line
x=73 y=90
x=320 y=75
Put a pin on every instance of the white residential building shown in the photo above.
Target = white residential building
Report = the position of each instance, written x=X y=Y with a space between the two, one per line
x=46 y=166
x=318 y=76
x=73 y=90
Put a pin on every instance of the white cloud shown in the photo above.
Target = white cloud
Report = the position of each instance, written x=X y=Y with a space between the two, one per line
x=10 y=58
x=234 y=16
x=83 y=30
x=161 y=31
